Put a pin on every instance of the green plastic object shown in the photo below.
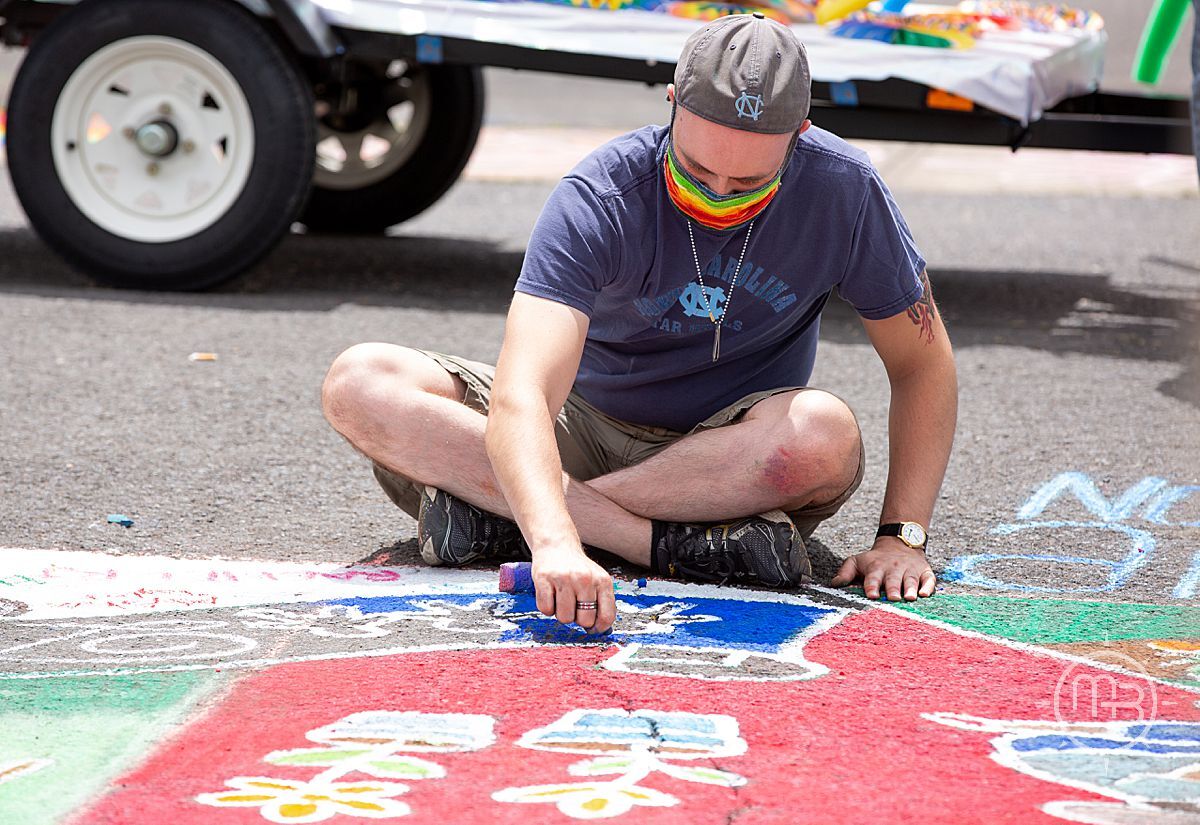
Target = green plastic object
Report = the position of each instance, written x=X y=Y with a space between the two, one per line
x=1158 y=37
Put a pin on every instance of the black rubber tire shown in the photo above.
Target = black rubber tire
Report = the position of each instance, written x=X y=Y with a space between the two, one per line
x=456 y=113
x=281 y=109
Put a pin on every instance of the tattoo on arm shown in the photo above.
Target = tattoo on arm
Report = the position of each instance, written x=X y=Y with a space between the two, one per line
x=921 y=313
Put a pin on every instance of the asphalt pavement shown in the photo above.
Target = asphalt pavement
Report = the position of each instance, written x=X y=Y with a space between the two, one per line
x=1074 y=318
x=143 y=675
x=1074 y=322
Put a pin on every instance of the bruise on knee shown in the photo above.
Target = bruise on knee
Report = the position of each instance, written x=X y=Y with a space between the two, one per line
x=784 y=472
x=803 y=478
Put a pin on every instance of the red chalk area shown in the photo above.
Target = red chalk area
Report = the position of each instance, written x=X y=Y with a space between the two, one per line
x=850 y=746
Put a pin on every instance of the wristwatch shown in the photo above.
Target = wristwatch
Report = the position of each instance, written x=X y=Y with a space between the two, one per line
x=908 y=532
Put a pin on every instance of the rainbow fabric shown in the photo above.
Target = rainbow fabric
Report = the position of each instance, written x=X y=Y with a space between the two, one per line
x=953 y=30
x=1038 y=17
x=706 y=10
x=724 y=214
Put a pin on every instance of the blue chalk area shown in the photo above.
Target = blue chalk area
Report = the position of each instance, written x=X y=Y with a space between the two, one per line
x=648 y=728
x=1067 y=743
x=1166 y=732
x=759 y=626
x=1108 y=769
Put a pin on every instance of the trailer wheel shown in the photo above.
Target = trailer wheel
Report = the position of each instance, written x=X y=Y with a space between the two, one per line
x=160 y=145
x=395 y=150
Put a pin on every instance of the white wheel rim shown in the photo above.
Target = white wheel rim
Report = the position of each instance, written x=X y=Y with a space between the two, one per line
x=354 y=160
x=120 y=186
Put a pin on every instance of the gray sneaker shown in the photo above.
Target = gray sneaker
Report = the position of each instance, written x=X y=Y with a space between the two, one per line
x=764 y=549
x=452 y=532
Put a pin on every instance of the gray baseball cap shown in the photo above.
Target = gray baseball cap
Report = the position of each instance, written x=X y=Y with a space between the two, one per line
x=746 y=72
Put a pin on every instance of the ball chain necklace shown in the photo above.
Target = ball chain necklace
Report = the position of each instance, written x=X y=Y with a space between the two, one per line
x=717 y=322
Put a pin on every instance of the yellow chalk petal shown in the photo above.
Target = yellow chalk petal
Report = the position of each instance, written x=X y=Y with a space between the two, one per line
x=294 y=810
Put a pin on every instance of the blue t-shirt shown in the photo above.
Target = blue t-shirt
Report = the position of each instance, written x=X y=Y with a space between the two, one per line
x=610 y=243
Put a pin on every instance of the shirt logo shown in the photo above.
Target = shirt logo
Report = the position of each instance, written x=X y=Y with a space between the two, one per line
x=749 y=105
x=696 y=304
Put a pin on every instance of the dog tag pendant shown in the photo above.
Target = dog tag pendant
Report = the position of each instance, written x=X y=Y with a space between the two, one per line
x=716 y=343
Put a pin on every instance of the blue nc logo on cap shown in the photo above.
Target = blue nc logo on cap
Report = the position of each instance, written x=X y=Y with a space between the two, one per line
x=749 y=105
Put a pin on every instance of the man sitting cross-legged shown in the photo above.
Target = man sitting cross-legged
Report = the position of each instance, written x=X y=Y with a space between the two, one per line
x=650 y=397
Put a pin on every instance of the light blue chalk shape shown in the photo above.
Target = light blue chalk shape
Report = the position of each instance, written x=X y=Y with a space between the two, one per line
x=962 y=568
x=1085 y=490
x=117 y=518
x=1156 y=510
x=1190 y=583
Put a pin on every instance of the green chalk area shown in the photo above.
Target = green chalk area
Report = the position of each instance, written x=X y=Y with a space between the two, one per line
x=93 y=728
x=1059 y=621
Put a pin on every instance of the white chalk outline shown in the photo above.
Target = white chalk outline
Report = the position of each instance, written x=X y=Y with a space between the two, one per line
x=791 y=652
x=1004 y=754
x=1027 y=647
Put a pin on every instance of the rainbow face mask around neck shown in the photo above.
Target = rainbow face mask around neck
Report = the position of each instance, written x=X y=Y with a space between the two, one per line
x=724 y=213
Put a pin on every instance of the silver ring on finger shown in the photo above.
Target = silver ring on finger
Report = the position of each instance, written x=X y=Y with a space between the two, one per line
x=585 y=605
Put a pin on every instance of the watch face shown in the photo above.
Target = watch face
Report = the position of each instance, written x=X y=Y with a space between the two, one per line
x=913 y=534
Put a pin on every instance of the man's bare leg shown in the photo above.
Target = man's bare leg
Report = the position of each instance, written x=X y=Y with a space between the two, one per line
x=789 y=451
x=405 y=412
x=402 y=410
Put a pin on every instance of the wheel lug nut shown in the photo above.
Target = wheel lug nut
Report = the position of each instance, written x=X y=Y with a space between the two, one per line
x=129 y=132
x=188 y=146
x=164 y=109
x=152 y=169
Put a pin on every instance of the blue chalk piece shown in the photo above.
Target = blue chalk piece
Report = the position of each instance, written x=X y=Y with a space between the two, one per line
x=894 y=6
x=845 y=93
x=117 y=518
x=516 y=577
x=641 y=582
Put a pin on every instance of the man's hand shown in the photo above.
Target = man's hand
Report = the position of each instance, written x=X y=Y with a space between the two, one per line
x=892 y=563
x=563 y=577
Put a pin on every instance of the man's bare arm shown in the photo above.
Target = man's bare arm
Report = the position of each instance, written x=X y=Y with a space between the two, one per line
x=916 y=352
x=543 y=344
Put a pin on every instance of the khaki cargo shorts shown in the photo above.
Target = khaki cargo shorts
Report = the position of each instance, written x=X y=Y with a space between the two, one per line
x=592 y=443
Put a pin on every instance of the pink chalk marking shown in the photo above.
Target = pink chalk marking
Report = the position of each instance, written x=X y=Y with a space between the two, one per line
x=369 y=575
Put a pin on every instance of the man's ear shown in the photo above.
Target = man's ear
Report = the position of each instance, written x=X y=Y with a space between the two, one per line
x=804 y=127
x=670 y=93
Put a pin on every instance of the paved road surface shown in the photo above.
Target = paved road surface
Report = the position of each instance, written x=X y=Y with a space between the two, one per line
x=225 y=636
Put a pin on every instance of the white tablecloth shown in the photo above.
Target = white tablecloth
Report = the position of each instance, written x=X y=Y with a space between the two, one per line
x=1019 y=74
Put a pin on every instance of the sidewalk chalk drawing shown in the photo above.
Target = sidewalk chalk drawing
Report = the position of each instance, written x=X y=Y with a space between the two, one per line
x=1156 y=500
x=1162 y=641
x=554 y=735
x=632 y=745
x=114 y=697
x=378 y=744
x=1179 y=654
x=12 y=769
x=68 y=584
x=711 y=634
x=1152 y=768
x=83 y=731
